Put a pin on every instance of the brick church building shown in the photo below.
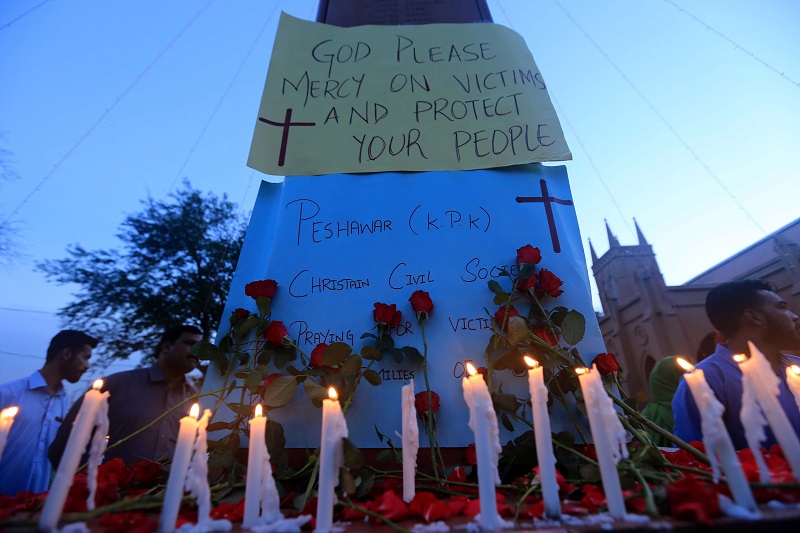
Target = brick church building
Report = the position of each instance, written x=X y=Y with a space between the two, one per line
x=644 y=320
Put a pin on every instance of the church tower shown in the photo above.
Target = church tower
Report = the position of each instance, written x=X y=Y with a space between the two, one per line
x=640 y=323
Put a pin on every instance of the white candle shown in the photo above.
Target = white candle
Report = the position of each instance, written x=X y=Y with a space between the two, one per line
x=96 y=452
x=331 y=458
x=173 y=495
x=608 y=434
x=716 y=438
x=792 y=380
x=483 y=422
x=6 y=420
x=544 y=442
x=757 y=374
x=410 y=442
x=76 y=445
x=261 y=500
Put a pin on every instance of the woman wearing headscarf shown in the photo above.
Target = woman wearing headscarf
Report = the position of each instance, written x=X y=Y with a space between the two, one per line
x=664 y=380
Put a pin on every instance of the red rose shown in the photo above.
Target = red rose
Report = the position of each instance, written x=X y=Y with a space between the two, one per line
x=421 y=403
x=546 y=335
x=528 y=254
x=606 y=363
x=692 y=499
x=265 y=288
x=421 y=302
x=528 y=283
x=269 y=379
x=146 y=470
x=114 y=472
x=241 y=312
x=502 y=315
x=387 y=314
x=548 y=283
x=316 y=355
x=276 y=332
x=472 y=455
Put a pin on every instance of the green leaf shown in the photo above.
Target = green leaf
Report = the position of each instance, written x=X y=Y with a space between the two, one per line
x=264 y=305
x=280 y=391
x=218 y=426
x=501 y=298
x=557 y=315
x=372 y=377
x=385 y=343
x=527 y=270
x=315 y=391
x=204 y=350
x=336 y=353
x=247 y=326
x=385 y=456
x=573 y=327
x=368 y=336
x=506 y=422
x=495 y=287
x=381 y=436
x=346 y=481
x=353 y=459
x=241 y=409
x=222 y=363
x=254 y=381
x=413 y=354
x=351 y=365
x=397 y=355
x=506 y=402
x=225 y=344
x=371 y=353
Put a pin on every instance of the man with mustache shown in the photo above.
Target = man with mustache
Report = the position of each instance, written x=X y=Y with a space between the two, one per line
x=140 y=396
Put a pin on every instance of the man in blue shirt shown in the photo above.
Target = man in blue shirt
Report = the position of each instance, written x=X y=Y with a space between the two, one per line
x=741 y=311
x=42 y=404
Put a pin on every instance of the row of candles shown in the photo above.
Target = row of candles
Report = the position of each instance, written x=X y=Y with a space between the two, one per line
x=262 y=503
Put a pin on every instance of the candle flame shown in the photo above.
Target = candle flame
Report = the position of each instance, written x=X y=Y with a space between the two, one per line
x=471 y=369
x=684 y=364
x=332 y=394
x=795 y=369
x=739 y=358
x=195 y=411
x=531 y=362
x=259 y=410
x=581 y=370
x=9 y=412
x=98 y=384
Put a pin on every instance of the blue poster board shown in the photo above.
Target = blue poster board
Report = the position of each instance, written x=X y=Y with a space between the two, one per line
x=338 y=245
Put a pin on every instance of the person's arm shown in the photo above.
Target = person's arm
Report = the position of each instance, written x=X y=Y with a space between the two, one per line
x=56 y=449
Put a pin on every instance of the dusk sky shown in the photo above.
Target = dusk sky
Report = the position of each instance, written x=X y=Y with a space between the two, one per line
x=684 y=115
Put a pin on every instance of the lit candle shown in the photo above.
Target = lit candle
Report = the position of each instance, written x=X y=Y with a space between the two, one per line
x=410 y=441
x=197 y=482
x=758 y=376
x=483 y=422
x=76 y=445
x=331 y=458
x=792 y=380
x=716 y=438
x=96 y=452
x=261 y=500
x=544 y=442
x=6 y=419
x=608 y=434
x=173 y=495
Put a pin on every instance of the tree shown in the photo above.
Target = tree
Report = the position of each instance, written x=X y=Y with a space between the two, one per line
x=175 y=266
x=9 y=247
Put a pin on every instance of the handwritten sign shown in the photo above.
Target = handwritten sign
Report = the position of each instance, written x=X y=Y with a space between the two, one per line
x=378 y=98
x=338 y=245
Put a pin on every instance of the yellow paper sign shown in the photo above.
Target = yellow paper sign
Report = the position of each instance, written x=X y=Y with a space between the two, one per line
x=391 y=98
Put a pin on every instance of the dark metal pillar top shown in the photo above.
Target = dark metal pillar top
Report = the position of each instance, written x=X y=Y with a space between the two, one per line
x=348 y=13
